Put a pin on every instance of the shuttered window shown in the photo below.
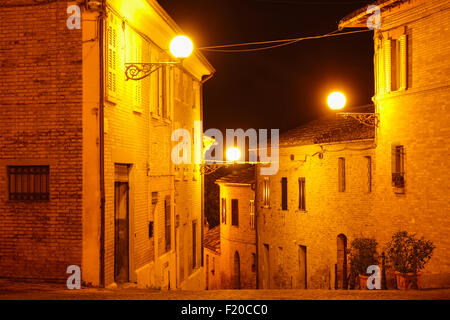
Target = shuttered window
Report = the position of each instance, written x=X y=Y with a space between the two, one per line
x=301 y=194
x=224 y=210
x=266 y=192
x=252 y=214
x=194 y=244
x=284 y=196
x=235 y=212
x=396 y=63
x=341 y=174
x=167 y=218
x=111 y=81
x=369 y=173
x=137 y=85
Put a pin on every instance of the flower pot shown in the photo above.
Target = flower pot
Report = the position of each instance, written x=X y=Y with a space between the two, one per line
x=408 y=281
x=363 y=281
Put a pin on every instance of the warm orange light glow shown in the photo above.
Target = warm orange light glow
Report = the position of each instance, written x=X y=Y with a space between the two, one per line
x=233 y=154
x=181 y=47
x=336 y=100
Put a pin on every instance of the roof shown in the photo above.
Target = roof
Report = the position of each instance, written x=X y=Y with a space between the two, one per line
x=358 y=17
x=242 y=176
x=329 y=130
x=211 y=239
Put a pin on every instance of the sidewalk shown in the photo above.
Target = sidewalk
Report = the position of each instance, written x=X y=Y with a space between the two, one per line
x=11 y=290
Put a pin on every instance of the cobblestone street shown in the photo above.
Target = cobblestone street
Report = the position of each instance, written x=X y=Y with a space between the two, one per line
x=10 y=290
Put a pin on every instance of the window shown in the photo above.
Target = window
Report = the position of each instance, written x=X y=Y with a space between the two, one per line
x=369 y=173
x=301 y=194
x=28 y=182
x=167 y=222
x=252 y=214
x=398 y=169
x=154 y=197
x=224 y=210
x=284 y=197
x=194 y=244
x=136 y=56
x=395 y=51
x=111 y=81
x=266 y=192
x=150 y=229
x=235 y=212
x=163 y=89
x=341 y=174
x=253 y=262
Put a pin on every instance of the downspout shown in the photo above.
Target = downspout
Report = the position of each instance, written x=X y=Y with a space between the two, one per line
x=102 y=146
x=256 y=226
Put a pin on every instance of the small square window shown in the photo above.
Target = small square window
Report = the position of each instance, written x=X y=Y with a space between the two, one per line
x=28 y=183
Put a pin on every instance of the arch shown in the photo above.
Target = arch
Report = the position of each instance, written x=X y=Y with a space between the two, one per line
x=237 y=271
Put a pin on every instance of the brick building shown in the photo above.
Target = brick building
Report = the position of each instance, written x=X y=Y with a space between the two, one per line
x=86 y=155
x=230 y=248
x=319 y=198
x=392 y=178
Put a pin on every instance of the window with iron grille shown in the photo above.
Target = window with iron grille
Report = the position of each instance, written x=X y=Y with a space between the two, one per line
x=28 y=183
x=341 y=173
x=301 y=194
x=235 y=212
x=398 y=166
x=284 y=197
x=167 y=222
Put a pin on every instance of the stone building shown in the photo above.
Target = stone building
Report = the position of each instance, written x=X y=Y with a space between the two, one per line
x=86 y=154
x=231 y=259
x=319 y=199
x=396 y=176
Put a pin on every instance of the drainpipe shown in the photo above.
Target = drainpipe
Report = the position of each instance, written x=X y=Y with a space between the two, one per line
x=101 y=22
x=256 y=226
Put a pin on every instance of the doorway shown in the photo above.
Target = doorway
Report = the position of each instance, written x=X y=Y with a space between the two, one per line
x=266 y=268
x=121 y=224
x=341 y=267
x=302 y=267
x=237 y=271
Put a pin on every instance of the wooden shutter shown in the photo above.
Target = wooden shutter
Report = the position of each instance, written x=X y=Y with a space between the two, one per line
x=284 y=197
x=167 y=216
x=137 y=57
x=341 y=173
x=111 y=61
x=301 y=193
x=403 y=42
x=387 y=64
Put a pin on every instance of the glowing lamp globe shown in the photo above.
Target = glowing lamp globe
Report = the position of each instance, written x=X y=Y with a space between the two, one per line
x=181 y=47
x=336 y=100
x=233 y=154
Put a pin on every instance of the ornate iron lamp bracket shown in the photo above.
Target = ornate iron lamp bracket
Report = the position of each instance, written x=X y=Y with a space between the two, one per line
x=367 y=119
x=139 y=71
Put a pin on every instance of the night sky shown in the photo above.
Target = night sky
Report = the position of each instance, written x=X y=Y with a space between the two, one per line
x=284 y=87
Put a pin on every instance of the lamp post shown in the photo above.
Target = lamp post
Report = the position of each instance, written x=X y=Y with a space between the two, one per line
x=181 y=47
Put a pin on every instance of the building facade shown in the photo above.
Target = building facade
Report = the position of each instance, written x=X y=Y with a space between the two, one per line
x=88 y=161
x=318 y=200
x=396 y=178
x=230 y=254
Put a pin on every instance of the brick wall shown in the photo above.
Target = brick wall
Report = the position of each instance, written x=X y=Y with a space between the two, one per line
x=40 y=123
x=418 y=118
x=240 y=239
x=328 y=213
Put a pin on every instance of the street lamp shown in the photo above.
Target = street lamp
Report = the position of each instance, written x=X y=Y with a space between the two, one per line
x=336 y=100
x=181 y=47
x=233 y=154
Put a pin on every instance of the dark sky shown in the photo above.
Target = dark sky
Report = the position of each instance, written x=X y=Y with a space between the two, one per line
x=283 y=87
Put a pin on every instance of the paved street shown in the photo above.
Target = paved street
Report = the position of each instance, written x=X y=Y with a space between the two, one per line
x=10 y=290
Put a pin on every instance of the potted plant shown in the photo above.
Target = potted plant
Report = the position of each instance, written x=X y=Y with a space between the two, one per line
x=363 y=253
x=408 y=255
